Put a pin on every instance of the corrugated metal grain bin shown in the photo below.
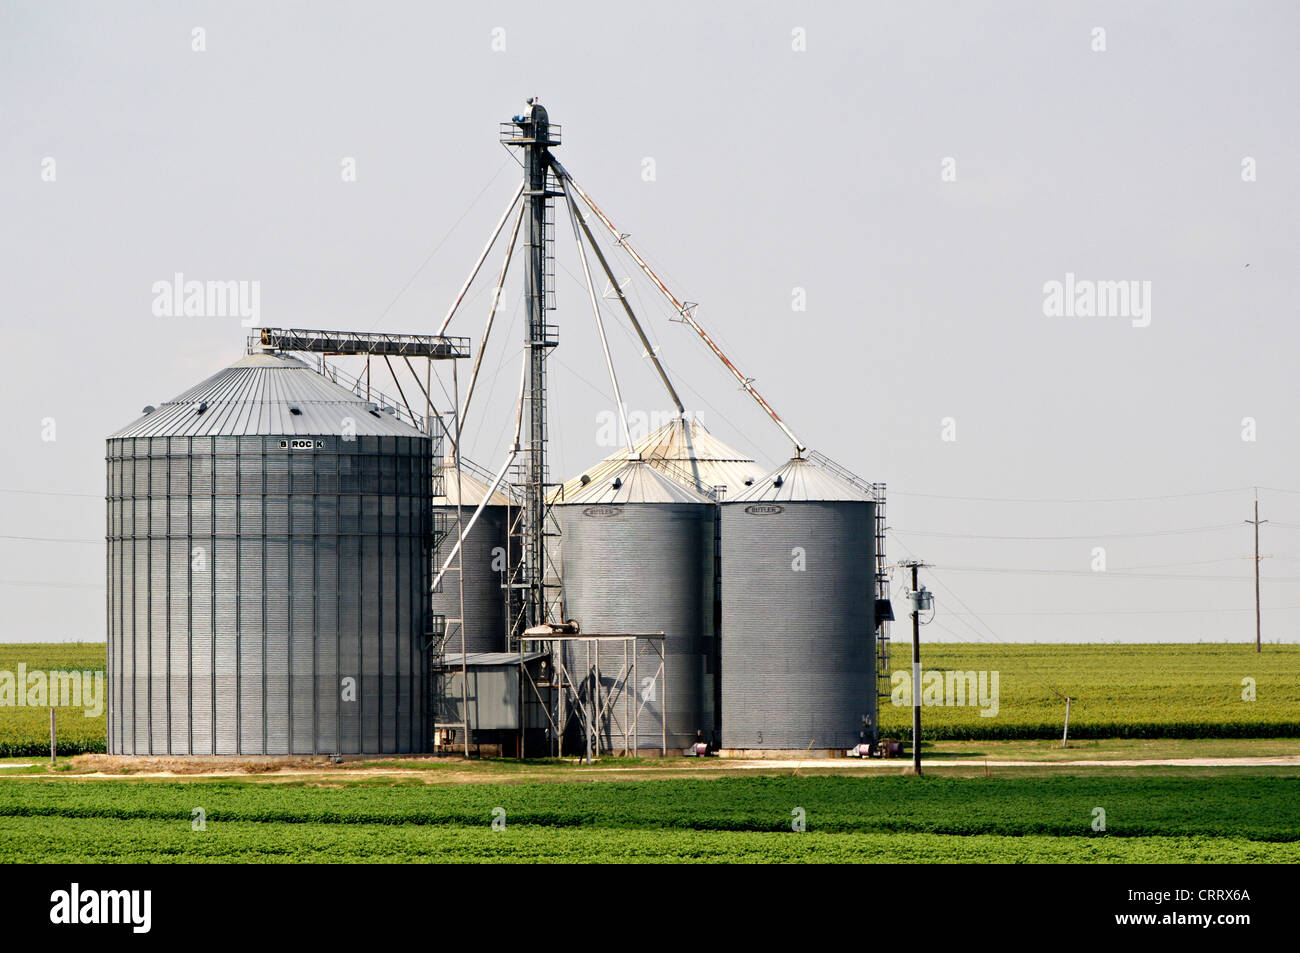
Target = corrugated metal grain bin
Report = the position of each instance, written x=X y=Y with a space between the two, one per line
x=484 y=557
x=638 y=556
x=798 y=577
x=268 y=566
x=685 y=451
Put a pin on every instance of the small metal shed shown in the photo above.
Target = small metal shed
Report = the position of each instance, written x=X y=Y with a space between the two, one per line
x=498 y=686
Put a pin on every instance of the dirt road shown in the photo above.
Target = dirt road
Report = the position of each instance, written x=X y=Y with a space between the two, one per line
x=101 y=767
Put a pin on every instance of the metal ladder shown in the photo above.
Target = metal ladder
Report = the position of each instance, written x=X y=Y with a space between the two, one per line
x=441 y=628
x=882 y=592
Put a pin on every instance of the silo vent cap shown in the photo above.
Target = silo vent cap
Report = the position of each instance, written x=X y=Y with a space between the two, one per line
x=203 y=405
x=148 y=409
x=296 y=411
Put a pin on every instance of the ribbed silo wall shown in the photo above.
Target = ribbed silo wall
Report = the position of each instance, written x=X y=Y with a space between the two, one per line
x=249 y=576
x=485 y=606
x=798 y=666
x=639 y=568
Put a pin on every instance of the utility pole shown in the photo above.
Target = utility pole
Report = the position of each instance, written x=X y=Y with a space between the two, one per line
x=916 y=677
x=920 y=599
x=1257 y=522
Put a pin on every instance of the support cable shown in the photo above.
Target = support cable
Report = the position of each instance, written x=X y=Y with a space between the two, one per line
x=600 y=324
x=492 y=313
x=442 y=328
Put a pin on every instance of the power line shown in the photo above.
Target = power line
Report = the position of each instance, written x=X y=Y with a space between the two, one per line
x=1088 y=536
x=51 y=539
x=958 y=616
x=410 y=281
x=1189 y=562
x=1138 y=611
x=1110 y=573
x=932 y=496
x=956 y=635
x=51 y=585
x=979 y=636
x=948 y=589
x=1115 y=499
x=88 y=496
x=1174 y=565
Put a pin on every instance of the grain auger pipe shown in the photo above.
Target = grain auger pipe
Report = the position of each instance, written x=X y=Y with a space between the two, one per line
x=686 y=313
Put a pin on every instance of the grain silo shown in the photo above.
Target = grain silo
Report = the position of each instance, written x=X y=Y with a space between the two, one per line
x=684 y=450
x=483 y=557
x=638 y=557
x=268 y=567
x=798 y=612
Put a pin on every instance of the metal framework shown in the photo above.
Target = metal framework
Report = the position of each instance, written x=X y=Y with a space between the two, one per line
x=450 y=627
x=534 y=593
x=534 y=135
x=589 y=697
x=438 y=630
x=882 y=599
x=435 y=347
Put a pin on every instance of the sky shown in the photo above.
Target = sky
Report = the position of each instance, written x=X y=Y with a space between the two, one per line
x=880 y=208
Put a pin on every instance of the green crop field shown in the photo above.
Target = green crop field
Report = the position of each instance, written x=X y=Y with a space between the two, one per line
x=25 y=730
x=1116 y=691
x=1233 y=817
x=1152 y=815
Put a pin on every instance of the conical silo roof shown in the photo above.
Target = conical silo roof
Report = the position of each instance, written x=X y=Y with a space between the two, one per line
x=271 y=394
x=636 y=481
x=801 y=480
x=472 y=488
x=687 y=452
